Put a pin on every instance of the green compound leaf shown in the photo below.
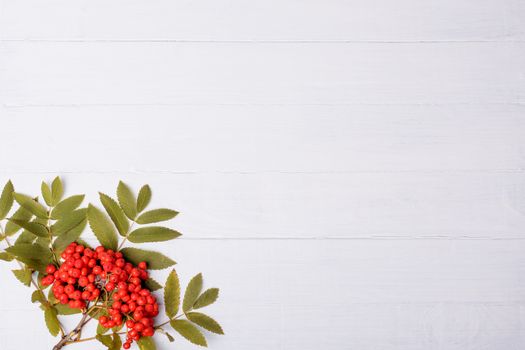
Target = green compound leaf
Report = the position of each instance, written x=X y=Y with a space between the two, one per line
x=207 y=298
x=143 y=198
x=38 y=296
x=205 y=322
x=127 y=200
x=193 y=290
x=34 y=227
x=6 y=256
x=50 y=315
x=102 y=228
x=30 y=251
x=69 y=237
x=66 y=310
x=146 y=343
x=68 y=222
x=115 y=213
x=23 y=276
x=172 y=295
x=152 y=234
x=6 y=199
x=66 y=206
x=189 y=331
x=31 y=205
x=46 y=193
x=156 y=215
x=20 y=214
x=152 y=285
x=155 y=261
x=112 y=342
x=57 y=190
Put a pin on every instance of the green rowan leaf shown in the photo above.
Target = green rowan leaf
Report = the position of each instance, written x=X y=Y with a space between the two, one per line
x=152 y=285
x=155 y=260
x=115 y=213
x=25 y=237
x=106 y=340
x=6 y=256
x=69 y=237
x=127 y=200
x=152 y=234
x=69 y=221
x=66 y=310
x=189 y=331
x=50 y=315
x=172 y=295
x=66 y=206
x=46 y=193
x=205 y=322
x=143 y=198
x=6 y=199
x=34 y=227
x=57 y=190
x=38 y=296
x=30 y=251
x=102 y=228
x=146 y=343
x=31 y=205
x=156 y=215
x=193 y=290
x=207 y=298
x=23 y=276
x=20 y=214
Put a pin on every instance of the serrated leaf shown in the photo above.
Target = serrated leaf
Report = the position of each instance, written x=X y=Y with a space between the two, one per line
x=205 y=322
x=152 y=234
x=172 y=295
x=34 y=227
x=29 y=251
x=155 y=260
x=46 y=193
x=106 y=340
x=23 y=276
x=50 y=315
x=6 y=256
x=101 y=329
x=143 y=198
x=69 y=221
x=66 y=206
x=146 y=343
x=25 y=237
x=102 y=228
x=38 y=296
x=193 y=290
x=31 y=205
x=115 y=213
x=20 y=214
x=69 y=237
x=127 y=200
x=57 y=190
x=207 y=298
x=117 y=342
x=156 y=215
x=189 y=331
x=66 y=310
x=6 y=199
x=152 y=285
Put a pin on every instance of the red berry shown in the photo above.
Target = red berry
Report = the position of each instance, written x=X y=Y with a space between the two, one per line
x=126 y=345
x=51 y=268
x=142 y=265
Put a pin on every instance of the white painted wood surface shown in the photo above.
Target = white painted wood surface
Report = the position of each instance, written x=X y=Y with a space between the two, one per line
x=350 y=173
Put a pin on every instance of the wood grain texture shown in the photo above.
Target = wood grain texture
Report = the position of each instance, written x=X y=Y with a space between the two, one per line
x=43 y=73
x=208 y=20
x=455 y=298
x=350 y=173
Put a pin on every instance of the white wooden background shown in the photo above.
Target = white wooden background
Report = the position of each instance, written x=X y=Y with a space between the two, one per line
x=349 y=172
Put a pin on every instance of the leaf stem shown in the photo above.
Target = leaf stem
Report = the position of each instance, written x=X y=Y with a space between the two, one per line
x=126 y=236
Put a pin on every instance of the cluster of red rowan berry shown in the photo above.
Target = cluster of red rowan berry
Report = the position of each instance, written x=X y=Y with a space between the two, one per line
x=87 y=275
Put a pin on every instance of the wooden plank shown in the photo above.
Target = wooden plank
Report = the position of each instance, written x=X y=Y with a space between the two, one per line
x=378 y=20
x=346 y=206
x=330 y=295
x=185 y=73
x=266 y=139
